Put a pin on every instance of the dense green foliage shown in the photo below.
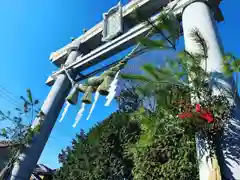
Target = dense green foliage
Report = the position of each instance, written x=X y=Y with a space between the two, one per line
x=165 y=150
x=140 y=145
x=100 y=153
x=144 y=145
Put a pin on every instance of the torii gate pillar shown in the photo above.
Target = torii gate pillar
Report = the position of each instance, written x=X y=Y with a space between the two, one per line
x=51 y=108
x=199 y=15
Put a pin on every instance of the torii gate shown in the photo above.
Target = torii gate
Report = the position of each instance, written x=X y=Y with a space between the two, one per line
x=98 y=43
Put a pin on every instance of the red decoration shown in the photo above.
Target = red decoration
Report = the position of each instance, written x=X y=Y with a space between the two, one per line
x=203 y=114
x=198 y=107
x=185 y=115
x=207 y=116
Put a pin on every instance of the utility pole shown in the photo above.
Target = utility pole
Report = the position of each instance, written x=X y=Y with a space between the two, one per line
x=194 y=14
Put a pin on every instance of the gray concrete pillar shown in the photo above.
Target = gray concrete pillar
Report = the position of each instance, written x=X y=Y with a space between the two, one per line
x=197 y=15
x=51 y=109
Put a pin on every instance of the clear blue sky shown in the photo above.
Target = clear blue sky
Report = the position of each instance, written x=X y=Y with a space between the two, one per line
x=30 y=30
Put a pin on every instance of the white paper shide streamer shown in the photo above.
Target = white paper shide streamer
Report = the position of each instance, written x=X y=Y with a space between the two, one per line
x=112 y=90
x=64 y=111
x=79 y=115
x=94 y=104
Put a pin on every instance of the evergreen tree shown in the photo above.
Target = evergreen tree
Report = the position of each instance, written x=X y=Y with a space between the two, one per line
x=187 y=95
x=100 y=154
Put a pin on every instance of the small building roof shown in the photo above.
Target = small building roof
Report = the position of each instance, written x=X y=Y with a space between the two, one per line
x=43 y=170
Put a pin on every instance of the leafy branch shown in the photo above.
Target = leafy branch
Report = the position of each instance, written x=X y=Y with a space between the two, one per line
x=18 y=134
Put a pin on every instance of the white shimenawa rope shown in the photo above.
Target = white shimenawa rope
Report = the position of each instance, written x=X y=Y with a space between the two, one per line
x=67 y=104
x=69 y=77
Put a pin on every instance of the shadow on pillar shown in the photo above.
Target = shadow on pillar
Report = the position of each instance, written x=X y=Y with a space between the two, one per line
x=229 y=147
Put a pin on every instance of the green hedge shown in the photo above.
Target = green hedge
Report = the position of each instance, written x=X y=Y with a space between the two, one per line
x=140 y=146
x=164 y=150
x=100 y=153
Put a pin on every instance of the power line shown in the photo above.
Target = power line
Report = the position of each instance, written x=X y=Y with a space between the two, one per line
x=4 y=96
x=11 y=94
x=27 y=115
x=12 y=97
x=7 y=95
